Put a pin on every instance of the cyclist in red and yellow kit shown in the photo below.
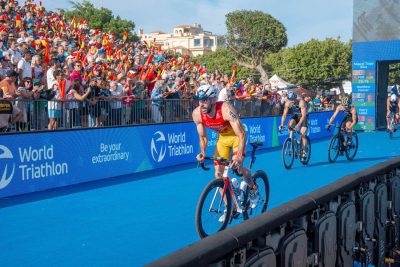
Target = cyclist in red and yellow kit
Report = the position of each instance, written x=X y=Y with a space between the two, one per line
x=224 y=119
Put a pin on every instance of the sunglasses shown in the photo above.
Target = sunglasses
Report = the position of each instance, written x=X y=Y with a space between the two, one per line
x=28 y=81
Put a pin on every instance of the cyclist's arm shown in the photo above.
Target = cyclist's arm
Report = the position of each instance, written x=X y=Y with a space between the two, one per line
x=388 y=105
x=201 y=130
x=353 y=116
x=285 y=111
x=334 y=115
x=230 y=114
x=303 y=109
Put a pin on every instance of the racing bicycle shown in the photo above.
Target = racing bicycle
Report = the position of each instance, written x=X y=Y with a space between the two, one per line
x=220 y=198
x=292 y=148
x=340 y=145
x=392 y=127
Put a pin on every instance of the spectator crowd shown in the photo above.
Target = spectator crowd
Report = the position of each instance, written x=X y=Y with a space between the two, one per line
x=61 y=73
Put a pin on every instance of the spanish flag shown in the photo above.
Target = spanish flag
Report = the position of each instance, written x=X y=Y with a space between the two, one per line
x=125 y=36
x=18 y=21
x=73 y=22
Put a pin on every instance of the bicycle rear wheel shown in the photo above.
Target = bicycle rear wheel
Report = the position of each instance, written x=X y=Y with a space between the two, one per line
x=308 y=151
x=213 y=204
x=351 y=148
x=288 y=153
x=334 y=148
x=260 y=178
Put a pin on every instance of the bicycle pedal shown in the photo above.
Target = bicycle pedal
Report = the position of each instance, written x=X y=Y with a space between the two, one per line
x=235 y=215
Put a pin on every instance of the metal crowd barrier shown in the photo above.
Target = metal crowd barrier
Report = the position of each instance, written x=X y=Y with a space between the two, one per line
x=352 y=222
x=71 y=114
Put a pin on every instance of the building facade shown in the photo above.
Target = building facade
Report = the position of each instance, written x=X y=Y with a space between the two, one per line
x=189 y=40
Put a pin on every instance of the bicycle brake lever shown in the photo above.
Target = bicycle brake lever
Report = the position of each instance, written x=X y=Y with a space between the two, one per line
x=204 y=167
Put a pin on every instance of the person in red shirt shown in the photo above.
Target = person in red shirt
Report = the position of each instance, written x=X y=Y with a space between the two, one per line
x=224 y=119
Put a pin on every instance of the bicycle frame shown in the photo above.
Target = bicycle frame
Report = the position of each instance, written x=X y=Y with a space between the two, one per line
x=297 y=141
x=393 y=120
x=342 y=132
x=227 y=182
x=227 y=185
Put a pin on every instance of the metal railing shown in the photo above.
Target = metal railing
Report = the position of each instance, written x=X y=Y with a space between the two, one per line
x=41 y=115
x=354 y=221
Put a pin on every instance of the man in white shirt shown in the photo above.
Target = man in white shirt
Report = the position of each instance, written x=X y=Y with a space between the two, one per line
x=24 y=65
x=226 y=94
x=14 y=52
x=50 y=73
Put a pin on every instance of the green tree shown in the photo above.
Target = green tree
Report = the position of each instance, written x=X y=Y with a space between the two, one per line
x=394 y=73
x=314 y=63
x=99 y=18
x=251 y=36
x=223 y=60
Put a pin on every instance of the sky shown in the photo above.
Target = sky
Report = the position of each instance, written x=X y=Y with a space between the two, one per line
x=304 y=20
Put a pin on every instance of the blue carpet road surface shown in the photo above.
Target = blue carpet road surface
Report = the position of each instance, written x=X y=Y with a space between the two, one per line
x=131 y=221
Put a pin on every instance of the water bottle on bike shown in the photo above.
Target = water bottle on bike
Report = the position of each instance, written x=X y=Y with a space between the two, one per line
x=235 y=187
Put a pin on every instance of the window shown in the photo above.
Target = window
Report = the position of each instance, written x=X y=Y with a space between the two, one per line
x=197 y=42
x=208 y=42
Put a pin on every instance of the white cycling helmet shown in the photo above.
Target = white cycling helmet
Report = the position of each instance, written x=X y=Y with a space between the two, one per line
x=206 y=91
x=393 y=98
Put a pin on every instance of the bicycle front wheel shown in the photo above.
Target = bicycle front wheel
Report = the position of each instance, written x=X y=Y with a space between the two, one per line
x=258 y=203
x=288 y=153
x=308 y=151
x=213 y=209
x=352 y=147
x=334 y=148
x=391 y=127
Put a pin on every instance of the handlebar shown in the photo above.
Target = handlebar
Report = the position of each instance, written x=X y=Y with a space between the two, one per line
x=289 y=128
x=221 y=161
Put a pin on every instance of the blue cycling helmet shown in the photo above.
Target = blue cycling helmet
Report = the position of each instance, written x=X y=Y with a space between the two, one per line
x=292 y=95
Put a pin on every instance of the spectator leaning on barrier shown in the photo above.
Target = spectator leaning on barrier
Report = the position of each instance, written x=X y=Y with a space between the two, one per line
x=9 y=114
x=157 y=95
x=8 y=85
x=317 y=102
x=54 y=106
x=25 y=93
x=115 y=105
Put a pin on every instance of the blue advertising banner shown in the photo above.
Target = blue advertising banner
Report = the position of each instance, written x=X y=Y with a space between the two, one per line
x=39 y=161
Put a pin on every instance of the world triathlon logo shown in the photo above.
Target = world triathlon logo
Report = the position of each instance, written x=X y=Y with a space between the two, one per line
x=6 y=159
x=158 y=146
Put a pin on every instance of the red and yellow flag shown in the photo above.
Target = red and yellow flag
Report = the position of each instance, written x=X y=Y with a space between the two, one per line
x=73 y=22
x=233 y=74
x=18 y=21
x=125 y=36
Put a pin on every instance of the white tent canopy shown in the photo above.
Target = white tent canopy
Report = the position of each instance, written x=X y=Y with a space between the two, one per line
x=279 y=83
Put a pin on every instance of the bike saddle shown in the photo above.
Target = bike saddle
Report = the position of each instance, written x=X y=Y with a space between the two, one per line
x=256 y=143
